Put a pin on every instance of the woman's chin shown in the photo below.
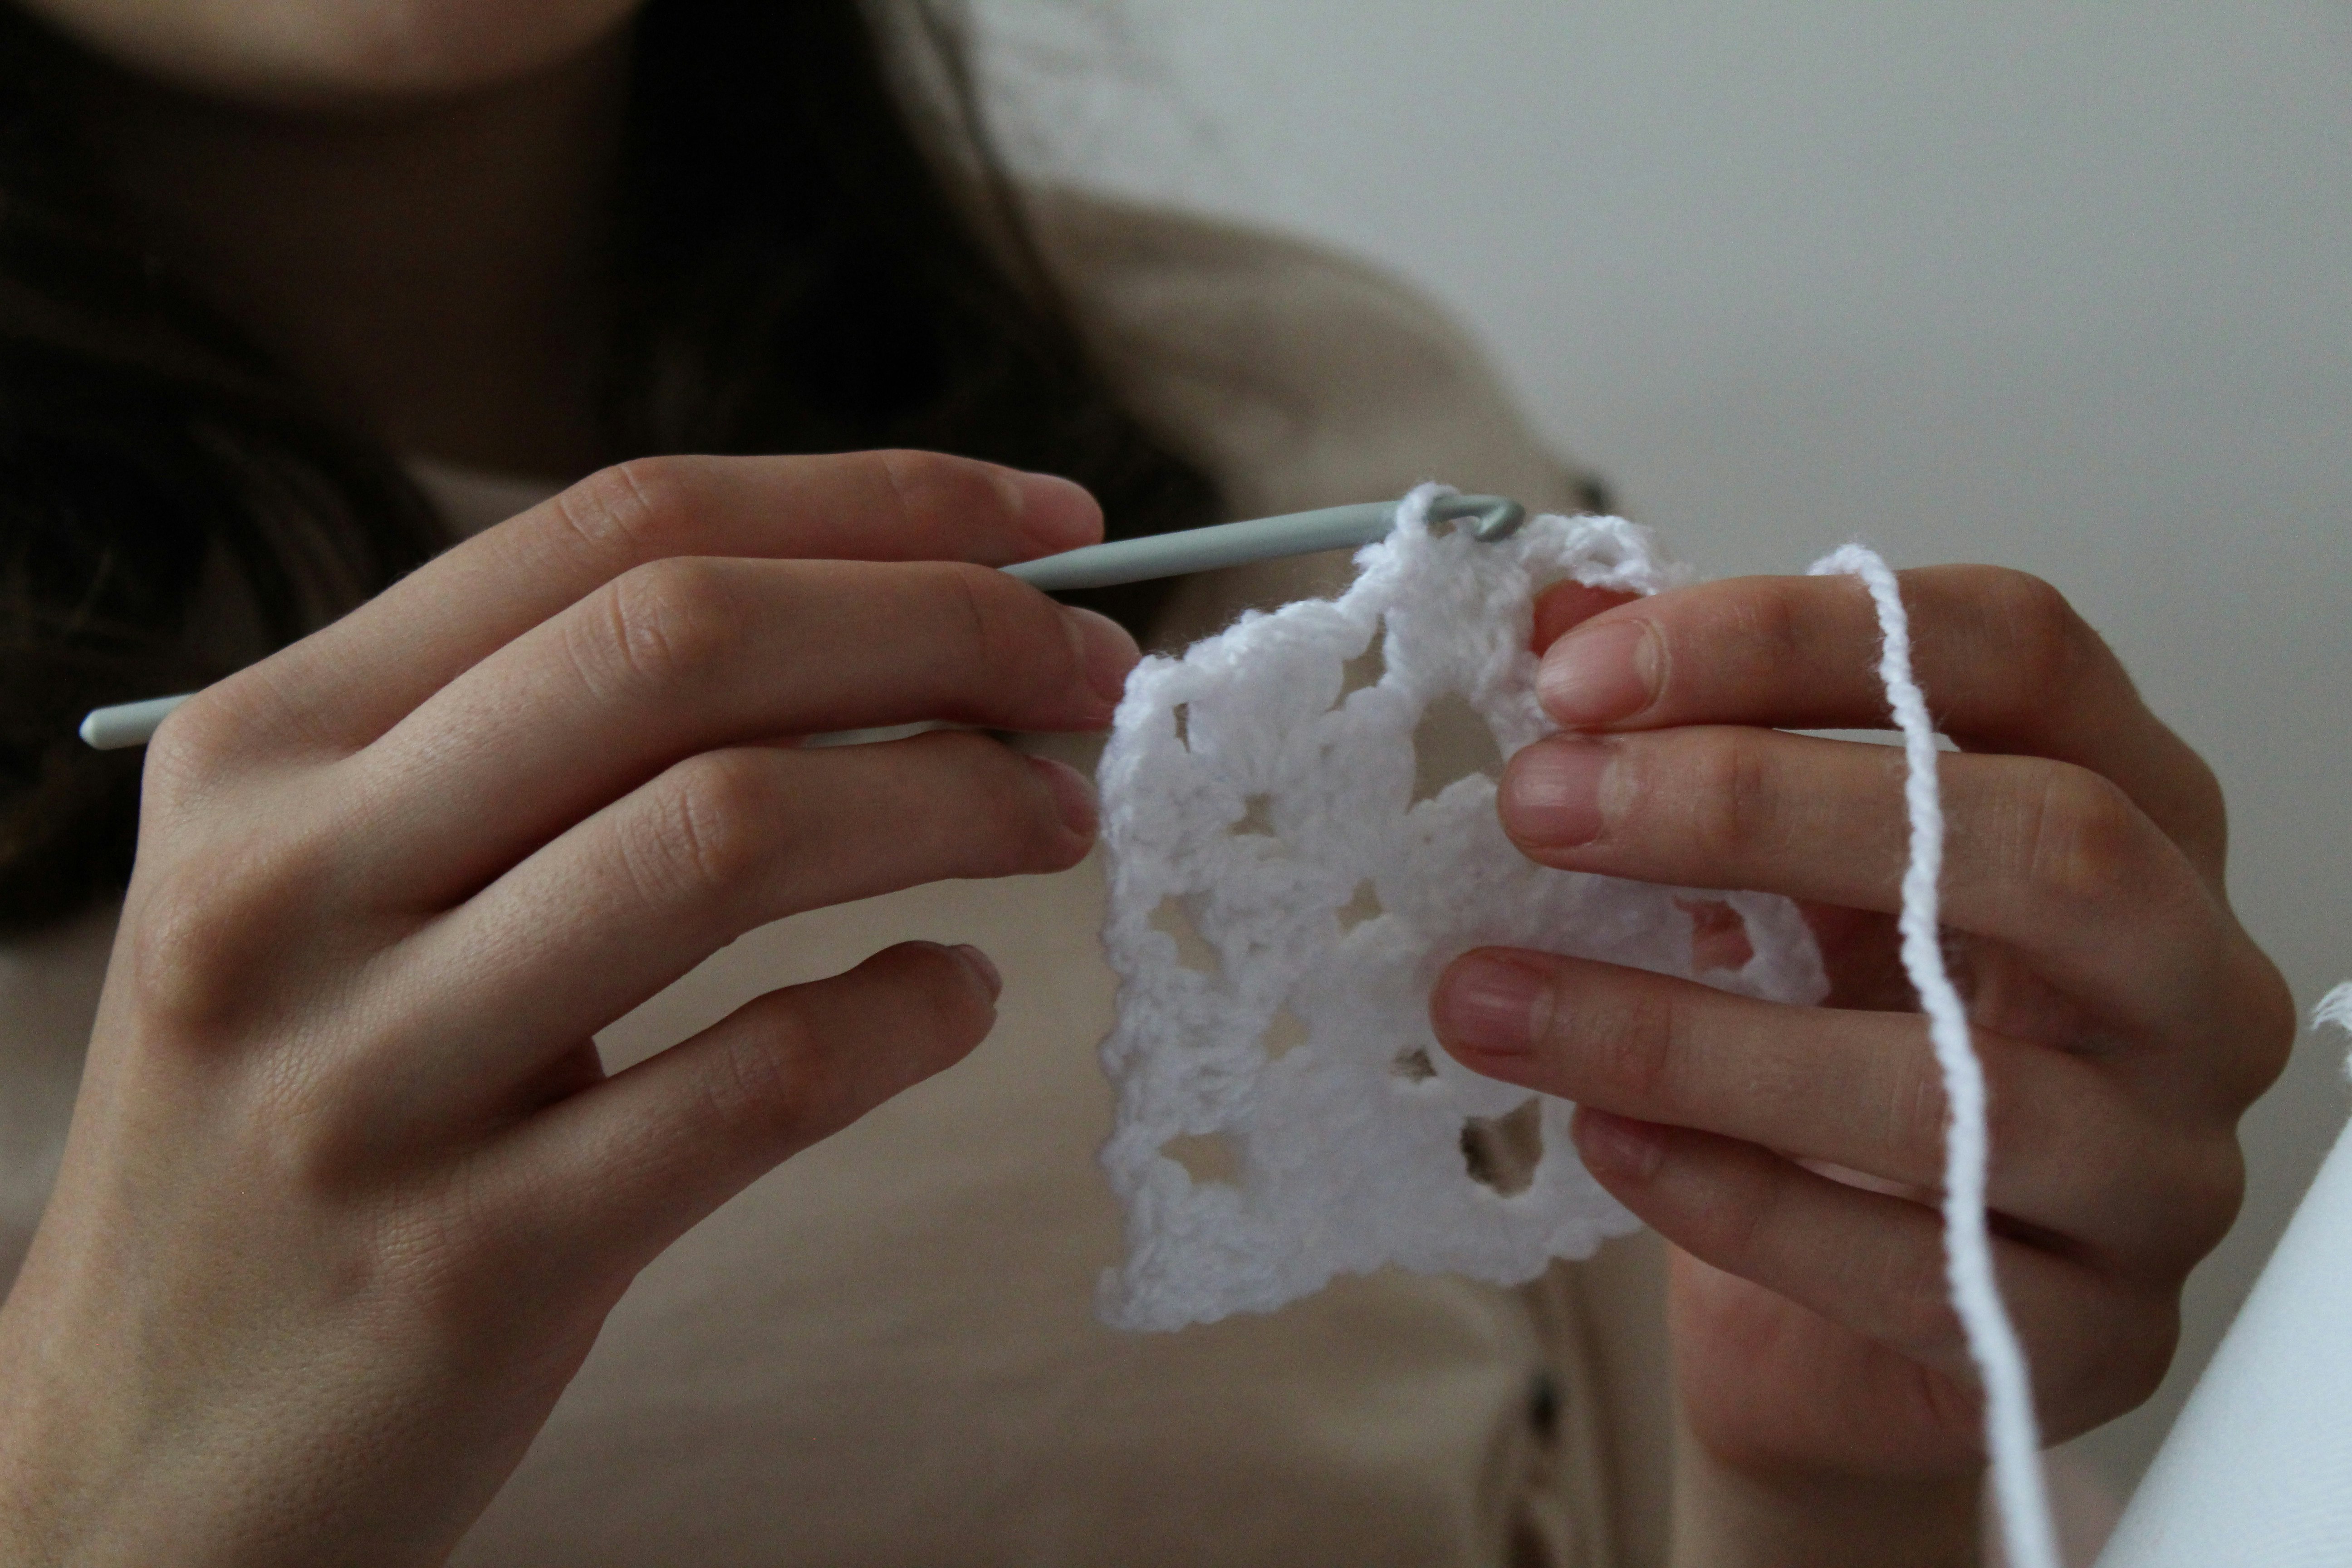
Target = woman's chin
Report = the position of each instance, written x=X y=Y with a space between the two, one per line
x=336 y=57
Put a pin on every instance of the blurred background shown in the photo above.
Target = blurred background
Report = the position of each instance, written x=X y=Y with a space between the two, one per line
x=2066 y=287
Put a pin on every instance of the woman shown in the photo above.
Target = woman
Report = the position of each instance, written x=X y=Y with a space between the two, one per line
x=417 y=1059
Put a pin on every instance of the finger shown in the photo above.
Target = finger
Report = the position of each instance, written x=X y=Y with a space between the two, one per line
x=628 y=901
x=1874 y=1263
x=2074 y=1155
x=692 y=655
x=2046 y=856
x=2006 y=663
x=1562 y=607
x=632 y=1163
x=352 y=683
x=1764 y=1377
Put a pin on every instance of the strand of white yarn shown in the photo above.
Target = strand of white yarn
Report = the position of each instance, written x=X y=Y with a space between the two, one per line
x=2020 y=1499
x=2336 y=1008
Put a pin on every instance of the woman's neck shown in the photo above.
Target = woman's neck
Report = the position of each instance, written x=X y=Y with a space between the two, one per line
x=439 y=274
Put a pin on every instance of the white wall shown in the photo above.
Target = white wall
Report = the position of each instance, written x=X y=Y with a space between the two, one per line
x=2063 y=286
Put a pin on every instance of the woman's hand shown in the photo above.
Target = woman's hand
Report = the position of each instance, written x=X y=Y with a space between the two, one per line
x=1790 y=1153
x=348 y=1193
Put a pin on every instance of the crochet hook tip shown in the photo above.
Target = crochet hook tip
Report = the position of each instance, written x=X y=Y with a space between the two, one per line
x=1497 y=521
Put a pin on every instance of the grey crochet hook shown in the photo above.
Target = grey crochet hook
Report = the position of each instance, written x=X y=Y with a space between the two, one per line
x=1488 y=519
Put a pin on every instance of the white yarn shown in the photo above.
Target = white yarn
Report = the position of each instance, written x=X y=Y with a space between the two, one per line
x=2020 y=1500
x=1244 y=788
x=2336 y=1008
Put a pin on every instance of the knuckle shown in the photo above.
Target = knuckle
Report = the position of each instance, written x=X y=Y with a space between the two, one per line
x=2265 y=1042
x=1738 y=1225
x=1776 y=623
x=178 y=960
x=1915 y=1303
x=932 y=487
x=665 y=624
x=1952 y=1407
x=1917 y=1110
x=198 y=950
x=997 y=614
x=763 y=1079
x=1013 y=636
x=2085 y=843
x=646 y=505
x=2048 y=642
x=708 y=832
x=1760 y=628
x=193 y=741
x=1727 y=785
x=201 y=740
x=783 y=1084
x=1632 y=1041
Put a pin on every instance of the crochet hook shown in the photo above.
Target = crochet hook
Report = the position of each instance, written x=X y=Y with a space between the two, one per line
x=1488 y=519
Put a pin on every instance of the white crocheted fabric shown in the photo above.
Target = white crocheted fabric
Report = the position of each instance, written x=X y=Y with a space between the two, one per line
x=1281 y=903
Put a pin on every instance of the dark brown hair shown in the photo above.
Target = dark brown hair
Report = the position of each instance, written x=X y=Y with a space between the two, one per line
x=812 y=261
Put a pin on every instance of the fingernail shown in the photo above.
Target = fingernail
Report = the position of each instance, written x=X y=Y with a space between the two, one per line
x=1073 y=797
x=1057 y=514
x=1551 y=793
x=1618 y=1145
x=1600 y=675
x=1494 y=1005
x=1105 y=651
x=982 y=967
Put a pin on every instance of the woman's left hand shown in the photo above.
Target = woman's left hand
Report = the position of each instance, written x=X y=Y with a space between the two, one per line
x=1790 y=1153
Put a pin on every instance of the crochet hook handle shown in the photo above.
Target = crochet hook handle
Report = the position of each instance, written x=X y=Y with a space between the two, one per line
x=1489 y=517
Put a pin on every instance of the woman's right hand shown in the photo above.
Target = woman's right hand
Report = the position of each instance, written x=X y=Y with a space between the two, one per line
x=348 y=1193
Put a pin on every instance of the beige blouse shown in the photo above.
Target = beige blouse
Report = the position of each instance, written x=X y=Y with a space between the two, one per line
x=885 y=1352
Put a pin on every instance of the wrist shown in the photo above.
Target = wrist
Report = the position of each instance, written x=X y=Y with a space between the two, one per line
x=1731 y=1517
